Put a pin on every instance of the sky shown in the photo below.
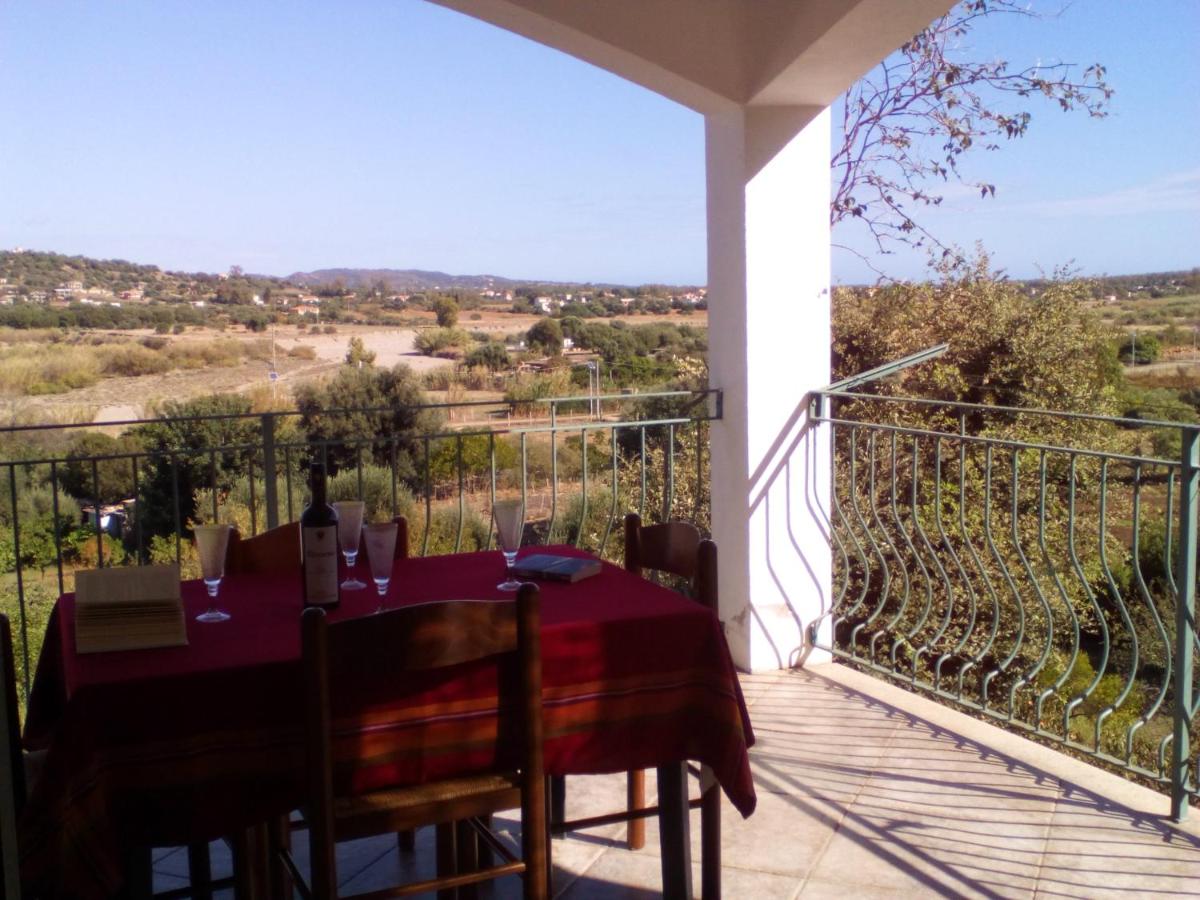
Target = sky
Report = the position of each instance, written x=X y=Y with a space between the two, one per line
x=394 y=133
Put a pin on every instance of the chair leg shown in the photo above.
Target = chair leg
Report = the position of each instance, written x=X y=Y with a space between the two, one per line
x=250 y=866
x=139 y=874
x=558 y=799
x=483 y=851
x=466 y=857
x=635 y=789
x=200 y=871
x=446 y=855
x=710 y=843
x=279 y=838
x=406 y=840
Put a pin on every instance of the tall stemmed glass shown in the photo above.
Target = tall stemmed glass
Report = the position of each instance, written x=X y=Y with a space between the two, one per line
x=381 y=548
x=350 y=516
x=211 y=543
x=510 y=525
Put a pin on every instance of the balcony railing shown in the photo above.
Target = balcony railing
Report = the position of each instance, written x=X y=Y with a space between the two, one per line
x=579 y=463
x=1033 y=567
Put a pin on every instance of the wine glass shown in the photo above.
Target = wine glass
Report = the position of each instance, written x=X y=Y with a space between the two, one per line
x=350 y=516
x=510 y=524
x=381 y=547
x=211 y=543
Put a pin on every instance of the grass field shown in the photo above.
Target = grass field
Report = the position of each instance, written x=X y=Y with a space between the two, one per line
x=46 y=375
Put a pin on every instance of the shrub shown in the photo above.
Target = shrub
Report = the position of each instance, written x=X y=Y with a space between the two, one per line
x=435 y=340
x=446 y=311
x=491 y=355
x=376 y=492
x=302 y=351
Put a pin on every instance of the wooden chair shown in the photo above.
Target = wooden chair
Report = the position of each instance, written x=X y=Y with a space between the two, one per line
x=276 y=550
x=409 y=639
x=21 y=768
x=672 y=548
x=12 y=763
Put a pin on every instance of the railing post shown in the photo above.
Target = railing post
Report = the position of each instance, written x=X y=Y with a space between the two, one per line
x=270 y=488
x=1185 y=620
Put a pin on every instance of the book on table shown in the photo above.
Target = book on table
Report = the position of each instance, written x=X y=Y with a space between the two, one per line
x=128 y=608
x=552 y=567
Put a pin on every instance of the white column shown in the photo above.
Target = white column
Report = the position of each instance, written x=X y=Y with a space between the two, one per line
x=768 y=282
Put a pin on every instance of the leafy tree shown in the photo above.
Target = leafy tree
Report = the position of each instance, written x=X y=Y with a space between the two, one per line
x=490 y=355
x=195 y=446
x=372 y=411
x=358 y=354
x=547 y=335
x=1140 y=350
x=906 y=125
x=114 y=475
x=447 y=312
x=476 y=460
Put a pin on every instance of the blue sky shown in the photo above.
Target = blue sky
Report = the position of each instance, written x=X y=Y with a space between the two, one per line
x=302 y=135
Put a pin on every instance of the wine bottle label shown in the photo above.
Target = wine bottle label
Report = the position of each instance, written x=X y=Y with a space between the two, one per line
x=320 y=566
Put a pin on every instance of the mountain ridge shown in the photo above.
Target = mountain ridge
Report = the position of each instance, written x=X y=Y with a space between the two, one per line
x=422 y=280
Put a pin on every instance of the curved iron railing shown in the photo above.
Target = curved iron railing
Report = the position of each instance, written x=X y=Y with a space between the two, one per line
x=1035 y=567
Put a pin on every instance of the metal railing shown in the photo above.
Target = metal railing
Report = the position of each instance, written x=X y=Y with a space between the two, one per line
x=1035 y=567
x=578 y=464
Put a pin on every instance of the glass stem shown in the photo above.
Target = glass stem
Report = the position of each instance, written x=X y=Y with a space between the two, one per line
x=510 y=560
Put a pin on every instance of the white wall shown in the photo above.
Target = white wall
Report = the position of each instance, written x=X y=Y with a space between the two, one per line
x=768 y=271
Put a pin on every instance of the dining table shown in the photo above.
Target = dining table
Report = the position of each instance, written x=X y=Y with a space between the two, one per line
x=175 y=745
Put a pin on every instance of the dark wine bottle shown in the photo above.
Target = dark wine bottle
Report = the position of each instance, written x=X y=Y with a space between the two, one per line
x=319 y=545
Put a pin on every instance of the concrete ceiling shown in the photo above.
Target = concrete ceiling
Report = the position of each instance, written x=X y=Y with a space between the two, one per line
x=713 y=54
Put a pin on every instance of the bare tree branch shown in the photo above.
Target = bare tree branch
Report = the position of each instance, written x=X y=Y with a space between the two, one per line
x=907 y=123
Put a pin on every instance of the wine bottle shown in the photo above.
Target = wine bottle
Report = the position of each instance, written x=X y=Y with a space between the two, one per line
x=318 y=530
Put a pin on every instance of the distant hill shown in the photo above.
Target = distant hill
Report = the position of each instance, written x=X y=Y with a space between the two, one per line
x=401 y=279
x=423 y=280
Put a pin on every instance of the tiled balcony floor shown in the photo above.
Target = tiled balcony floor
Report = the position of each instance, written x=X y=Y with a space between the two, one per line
x=867 y=791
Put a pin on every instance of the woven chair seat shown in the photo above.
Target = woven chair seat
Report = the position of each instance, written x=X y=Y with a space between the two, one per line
x=392 y=800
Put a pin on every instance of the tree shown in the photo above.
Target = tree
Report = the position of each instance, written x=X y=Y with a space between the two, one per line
x=908 y=123
x=547 y=335
x=112 y=478
x=446 y=311
x=1140 y=350
x=366 y=413
x=358 y=355
x=490 y=355
x=191 y=454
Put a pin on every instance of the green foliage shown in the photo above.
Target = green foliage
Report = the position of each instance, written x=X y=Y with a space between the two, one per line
x=476 y=460
x=375 y=492
x=446 y=311
x=491 y=356
x=188 y=455
x=374 y=406
x=113 y=475
x=443 y=531
x=1140 y=350
x=439 y=341
x=546 y=335
x=358 y=355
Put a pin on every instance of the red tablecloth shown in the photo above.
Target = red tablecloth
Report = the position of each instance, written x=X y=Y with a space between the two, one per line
x=186 y=743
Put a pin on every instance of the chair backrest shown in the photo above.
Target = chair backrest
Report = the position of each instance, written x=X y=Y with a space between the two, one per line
x=401 y=537
x=677 y=549
x=276 y=550
x=411 y=639
x=13 y=762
